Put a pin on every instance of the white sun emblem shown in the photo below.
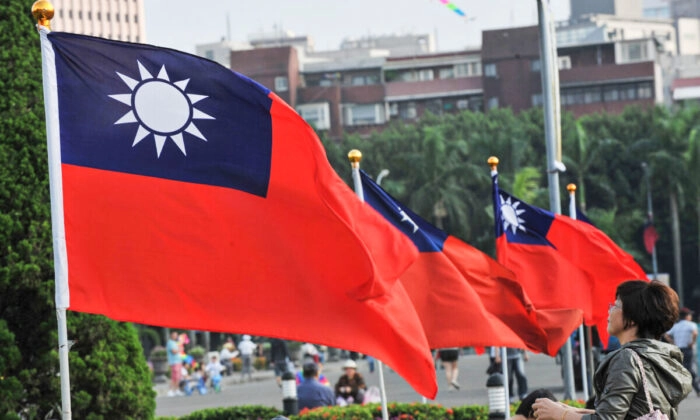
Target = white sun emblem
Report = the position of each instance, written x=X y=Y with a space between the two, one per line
x=161 y=108
x=510 y=215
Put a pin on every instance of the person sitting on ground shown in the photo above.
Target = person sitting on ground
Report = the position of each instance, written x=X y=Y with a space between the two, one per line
x=214 y=369
x=228 y=352
x=350 y=387
x=320 y=377
x=310 y=392
x=525 y=411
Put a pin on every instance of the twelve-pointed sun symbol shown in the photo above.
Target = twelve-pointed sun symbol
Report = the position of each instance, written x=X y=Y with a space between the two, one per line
x=161 y=108
x=510 y=215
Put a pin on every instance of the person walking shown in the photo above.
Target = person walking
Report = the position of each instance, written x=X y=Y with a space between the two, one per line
x=279 y=357
x=643 y=371
x=683 y=334
x=246 y=347
x=449 y=358
x=516 y=367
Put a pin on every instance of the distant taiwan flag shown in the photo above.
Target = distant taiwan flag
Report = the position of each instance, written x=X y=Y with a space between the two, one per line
x=463 y=296
x=650 y=236
x=561 y=262
x=189 y=196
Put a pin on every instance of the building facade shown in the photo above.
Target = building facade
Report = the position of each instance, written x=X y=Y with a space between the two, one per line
x=122 y=20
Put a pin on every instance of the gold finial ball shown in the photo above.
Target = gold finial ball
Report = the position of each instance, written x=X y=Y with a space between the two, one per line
x=571 y=187
x=355 y=156
x=493 y=162
x=42 y=11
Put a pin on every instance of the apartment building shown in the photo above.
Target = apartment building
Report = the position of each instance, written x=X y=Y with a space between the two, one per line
x=121 y=20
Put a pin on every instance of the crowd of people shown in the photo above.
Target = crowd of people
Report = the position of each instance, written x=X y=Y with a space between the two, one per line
x=652 y=370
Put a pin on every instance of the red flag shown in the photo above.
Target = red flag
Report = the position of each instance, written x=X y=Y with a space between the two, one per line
x=650 y=236
x=192 y=197
x=561 y=262
x=464 y=297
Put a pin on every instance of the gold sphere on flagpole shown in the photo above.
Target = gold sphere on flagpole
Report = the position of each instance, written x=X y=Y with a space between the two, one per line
x=571 y=188
x=493 y=162
x=42 y=10
x=355 y=156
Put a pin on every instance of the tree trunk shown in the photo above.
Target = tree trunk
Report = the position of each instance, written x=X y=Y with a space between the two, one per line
x=676 y=235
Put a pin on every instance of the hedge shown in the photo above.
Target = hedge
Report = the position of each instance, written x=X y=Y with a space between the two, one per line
x=397 y=411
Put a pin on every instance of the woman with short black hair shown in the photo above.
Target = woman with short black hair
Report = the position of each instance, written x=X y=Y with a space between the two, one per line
x=641 y=313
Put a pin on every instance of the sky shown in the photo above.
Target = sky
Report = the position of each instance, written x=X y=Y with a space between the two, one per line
x=182 y=24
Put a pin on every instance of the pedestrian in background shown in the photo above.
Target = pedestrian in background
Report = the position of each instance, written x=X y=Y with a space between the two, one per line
x=246 y=347
x=683 y=334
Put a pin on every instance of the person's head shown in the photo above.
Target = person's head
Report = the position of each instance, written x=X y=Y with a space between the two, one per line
x=309 y=370
x=686 y=314
x=525 y=408
x=173 y=335
x=651 y=307
x=350 y=367
x=246 y=337
x=213 y=358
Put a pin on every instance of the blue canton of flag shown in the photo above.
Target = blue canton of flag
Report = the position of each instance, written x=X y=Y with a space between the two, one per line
x=162 y=113
x=425 y=236
x=520 y=222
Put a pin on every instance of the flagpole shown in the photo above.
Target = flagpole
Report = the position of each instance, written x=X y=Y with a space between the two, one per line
x=43 y=12
x=650 y=215
x=552 y=131
x=355 y=156
x=582 y=342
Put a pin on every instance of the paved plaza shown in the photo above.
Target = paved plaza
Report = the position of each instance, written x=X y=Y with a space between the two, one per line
x=541 y=370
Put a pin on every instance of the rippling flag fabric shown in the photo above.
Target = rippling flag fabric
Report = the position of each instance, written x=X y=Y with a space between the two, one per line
x=189 y=196
x=463 y=296
x=561 y=262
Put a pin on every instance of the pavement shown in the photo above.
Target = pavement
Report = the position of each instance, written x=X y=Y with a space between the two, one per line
x=541 y=370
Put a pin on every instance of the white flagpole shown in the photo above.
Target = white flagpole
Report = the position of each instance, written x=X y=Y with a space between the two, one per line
x=43 y=12
x=506 y=384
x=355 y=156
x=582 y=342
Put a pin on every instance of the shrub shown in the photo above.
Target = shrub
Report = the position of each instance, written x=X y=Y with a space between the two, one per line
x=197 y=353
x=244 y=412
x=260 y=363
x=158 y=353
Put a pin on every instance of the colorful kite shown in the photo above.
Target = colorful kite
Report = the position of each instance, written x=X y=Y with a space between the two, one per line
x=453 y=7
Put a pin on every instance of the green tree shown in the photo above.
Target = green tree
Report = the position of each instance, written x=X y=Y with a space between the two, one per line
x=109 y=371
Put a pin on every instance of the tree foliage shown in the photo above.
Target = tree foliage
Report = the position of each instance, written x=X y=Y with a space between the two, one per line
x=441 y=161
x=108 y=371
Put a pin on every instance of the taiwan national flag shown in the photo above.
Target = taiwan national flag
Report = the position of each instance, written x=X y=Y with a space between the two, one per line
x=186 y=195
x=464 y=297
x=561 y=262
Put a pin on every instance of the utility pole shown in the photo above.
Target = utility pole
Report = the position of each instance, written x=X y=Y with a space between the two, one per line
x=552 y=129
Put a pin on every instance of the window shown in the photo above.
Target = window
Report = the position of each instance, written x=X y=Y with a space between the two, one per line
x=644 y=91
x=407 y=111
x=281 y=84
x=475 y=69
x=126 y=18
x=209 y=54
x=363 y=114
x=537 y=99
x=535 y=65
x=611 y=94
x=448 y=73
x=463 y=104
x=394 y=109
x=492 y=103
x=564 y=62
x=317 y=115
x=634 y=51
x=426 y=74
x=490 y=70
